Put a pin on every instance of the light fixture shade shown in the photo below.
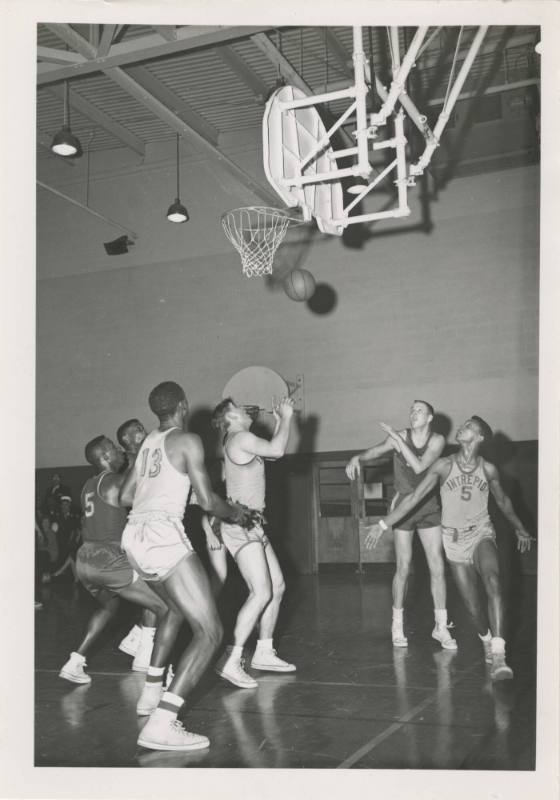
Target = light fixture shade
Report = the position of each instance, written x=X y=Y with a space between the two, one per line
x=177 y=212
x=64 y=143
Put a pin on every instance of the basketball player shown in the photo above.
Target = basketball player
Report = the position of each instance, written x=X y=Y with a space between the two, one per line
x=469 y=539
x=169 y=462
x=101 y=565
x=130 y=436
x=414 y=450
x=139 y=640
x=253 y=553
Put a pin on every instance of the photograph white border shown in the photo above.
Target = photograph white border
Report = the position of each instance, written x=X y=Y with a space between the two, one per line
x=18 y=776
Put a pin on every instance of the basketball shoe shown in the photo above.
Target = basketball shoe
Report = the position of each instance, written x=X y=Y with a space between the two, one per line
x=73 y=670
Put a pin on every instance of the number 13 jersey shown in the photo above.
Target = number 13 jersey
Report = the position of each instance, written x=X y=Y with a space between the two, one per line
x=159 y=485
x=464 y=496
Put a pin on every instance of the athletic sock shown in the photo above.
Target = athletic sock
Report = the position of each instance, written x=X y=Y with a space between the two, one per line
x=155 y=675
x=397 y=616
x=486 y=637
x=148 y=633
x=235 y=652
x=498 y=645
x=264 y=644
x=440 y=615
x=169 y=706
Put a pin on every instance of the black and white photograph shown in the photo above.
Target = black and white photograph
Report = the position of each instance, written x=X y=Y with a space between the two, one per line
x=285 y=332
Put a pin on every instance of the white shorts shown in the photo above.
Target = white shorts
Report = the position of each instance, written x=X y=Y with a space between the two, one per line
x=460 y=544
x=155 y=544
x=236 y=538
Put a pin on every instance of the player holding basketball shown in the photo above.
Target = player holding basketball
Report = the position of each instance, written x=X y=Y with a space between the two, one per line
x=101 y=565
x=469 y=539
x=245 y=482
x=157 y=487
x=415 y=449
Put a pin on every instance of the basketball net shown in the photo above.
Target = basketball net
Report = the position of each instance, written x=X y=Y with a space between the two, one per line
x=256 y=233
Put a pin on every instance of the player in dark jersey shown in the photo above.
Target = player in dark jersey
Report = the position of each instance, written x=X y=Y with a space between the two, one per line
x=101 y=565
x=469 y=539
x=414 y=450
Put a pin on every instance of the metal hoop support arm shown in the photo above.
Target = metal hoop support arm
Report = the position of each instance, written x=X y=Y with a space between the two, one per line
x=419 y=167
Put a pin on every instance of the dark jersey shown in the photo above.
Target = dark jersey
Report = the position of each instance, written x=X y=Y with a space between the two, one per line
x=406 y=480
x=102 y=522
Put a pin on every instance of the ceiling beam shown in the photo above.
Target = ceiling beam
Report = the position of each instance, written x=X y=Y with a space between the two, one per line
x=106 y=40
x=291 y=75
x=143 y=48
x=259 y=88
x=134 y=89
x=175 y=103
x=95 y=115
x=432 y=58
x=167 y=32
x=340 y=53
x=54 y=56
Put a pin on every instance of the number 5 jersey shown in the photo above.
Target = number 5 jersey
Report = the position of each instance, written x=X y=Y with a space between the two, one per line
x=464 y=496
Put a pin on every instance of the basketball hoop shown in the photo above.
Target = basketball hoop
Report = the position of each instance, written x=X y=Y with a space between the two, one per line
x=256 y=232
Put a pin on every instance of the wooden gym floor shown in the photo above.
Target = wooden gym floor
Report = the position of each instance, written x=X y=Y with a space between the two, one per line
x=355 y=702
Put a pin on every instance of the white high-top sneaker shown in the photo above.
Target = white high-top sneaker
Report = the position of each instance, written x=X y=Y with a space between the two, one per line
x=73 y=670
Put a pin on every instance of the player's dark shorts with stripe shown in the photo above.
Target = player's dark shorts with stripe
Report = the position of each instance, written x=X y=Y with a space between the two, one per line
x=104 y=565
x=425 y=515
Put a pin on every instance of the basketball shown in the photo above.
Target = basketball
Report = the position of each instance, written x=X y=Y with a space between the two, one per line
x=299 y=285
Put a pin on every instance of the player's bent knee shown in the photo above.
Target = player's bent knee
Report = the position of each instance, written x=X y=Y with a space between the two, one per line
x=263 y=595
x=278 y=589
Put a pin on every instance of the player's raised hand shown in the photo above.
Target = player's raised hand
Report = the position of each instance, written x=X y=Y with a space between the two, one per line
x=285 y=408
x=391 y=432
x=524 y=540
x=353 y=468
x=373 y=536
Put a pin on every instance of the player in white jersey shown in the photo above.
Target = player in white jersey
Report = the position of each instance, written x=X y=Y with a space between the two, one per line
x=157 y=487
x=139 y=640
x=245 y=483
x=469 y=539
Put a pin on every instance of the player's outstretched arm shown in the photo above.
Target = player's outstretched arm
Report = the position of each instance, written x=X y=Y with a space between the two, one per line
x=276 y=447
x=503 y=502
x=355 y=464
x=429 y=482
x=433 y=450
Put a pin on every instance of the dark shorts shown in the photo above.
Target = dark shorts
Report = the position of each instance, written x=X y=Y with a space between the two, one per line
x=425 y=515
x=103 y=565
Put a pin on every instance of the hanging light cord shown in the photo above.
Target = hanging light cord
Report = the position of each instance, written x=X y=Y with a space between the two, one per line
x=66 y=105
x=178 y=195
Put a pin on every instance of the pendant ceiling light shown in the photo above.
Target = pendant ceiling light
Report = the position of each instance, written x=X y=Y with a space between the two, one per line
x=177 y=211
x=64 y=142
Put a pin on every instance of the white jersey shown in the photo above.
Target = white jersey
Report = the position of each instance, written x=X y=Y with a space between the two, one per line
x=159 y=485
x=464 y=496
x=245 y=483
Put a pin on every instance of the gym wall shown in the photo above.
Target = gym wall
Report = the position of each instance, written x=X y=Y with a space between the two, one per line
x=450 y=316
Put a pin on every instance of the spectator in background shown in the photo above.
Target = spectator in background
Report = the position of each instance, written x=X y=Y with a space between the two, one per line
x=54 y=493
x=66 y=526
